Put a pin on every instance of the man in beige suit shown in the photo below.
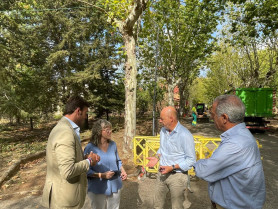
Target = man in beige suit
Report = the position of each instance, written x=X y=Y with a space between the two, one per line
x=66 y=180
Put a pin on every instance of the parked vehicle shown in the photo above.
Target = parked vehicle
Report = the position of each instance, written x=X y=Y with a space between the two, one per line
x=202 y=113
x=259 y=103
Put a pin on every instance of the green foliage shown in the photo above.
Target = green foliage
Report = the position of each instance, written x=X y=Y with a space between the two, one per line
x=224 y=72
x=50 y=51
x=4 y=128
x=109 y=94
x=247 y=48
x=145 y=94
x=184 y=35
x=253 y=41
x=198 y=92
x=143 y=101
x=231 y=67
x=255 y=16
x=119 y=9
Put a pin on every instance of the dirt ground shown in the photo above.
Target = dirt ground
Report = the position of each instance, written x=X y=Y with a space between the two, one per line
x=25 y=188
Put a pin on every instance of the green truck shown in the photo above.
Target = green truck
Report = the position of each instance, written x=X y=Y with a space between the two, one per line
x=259 y=103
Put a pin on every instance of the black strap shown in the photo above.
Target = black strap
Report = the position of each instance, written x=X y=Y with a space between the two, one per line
x=183 y=172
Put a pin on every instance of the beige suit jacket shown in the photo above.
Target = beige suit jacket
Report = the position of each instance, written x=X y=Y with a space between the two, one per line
x=66 y=180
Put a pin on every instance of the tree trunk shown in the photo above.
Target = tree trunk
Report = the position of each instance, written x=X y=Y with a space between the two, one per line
x=126 y=28
x=130 y=90
x=107 y=114
x=170 y=89
x=31 y=124
x=181 y=110
x=17 y=119
x=86 y=124
x=11 y=120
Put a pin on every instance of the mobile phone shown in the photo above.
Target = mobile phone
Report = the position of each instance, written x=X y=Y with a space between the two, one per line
x=117 y=172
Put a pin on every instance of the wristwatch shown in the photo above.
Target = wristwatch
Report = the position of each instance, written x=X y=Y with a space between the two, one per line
x=174 y=169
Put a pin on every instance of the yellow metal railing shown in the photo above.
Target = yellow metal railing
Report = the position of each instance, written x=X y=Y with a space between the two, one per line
x=139 y=148
x=152 y=145
x=147 y=146
x=207 y=147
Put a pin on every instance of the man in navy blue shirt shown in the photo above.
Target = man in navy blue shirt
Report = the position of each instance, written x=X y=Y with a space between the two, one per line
x=234 y=172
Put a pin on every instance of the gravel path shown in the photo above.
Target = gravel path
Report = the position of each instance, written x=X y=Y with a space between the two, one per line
x=137 y=194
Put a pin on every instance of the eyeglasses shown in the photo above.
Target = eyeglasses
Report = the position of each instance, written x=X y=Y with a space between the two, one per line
x=107 y=130
x=211 y=114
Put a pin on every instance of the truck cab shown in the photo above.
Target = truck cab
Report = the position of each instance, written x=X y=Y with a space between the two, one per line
x=202 y=115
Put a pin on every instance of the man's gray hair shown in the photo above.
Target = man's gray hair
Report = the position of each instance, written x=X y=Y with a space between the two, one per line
x=232 y=106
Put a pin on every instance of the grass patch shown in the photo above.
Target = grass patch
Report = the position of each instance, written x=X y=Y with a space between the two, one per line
x=19 y=141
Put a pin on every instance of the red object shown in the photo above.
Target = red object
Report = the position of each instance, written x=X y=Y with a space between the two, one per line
x=142 y=172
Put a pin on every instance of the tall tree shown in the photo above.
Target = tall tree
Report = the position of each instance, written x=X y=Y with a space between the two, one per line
x=185 y=39
x=223 y=72
x=198 y=92
x=248 y=47
x=251 y=27
x=124 y=14
x=24 y=51
x=234 y=66
x=257 y=16
x=54 y=50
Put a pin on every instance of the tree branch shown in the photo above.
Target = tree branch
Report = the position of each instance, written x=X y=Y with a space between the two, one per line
x=99 y=8
x=138 y=8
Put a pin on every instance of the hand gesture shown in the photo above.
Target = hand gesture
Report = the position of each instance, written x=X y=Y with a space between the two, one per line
x=95 y=158
x=165 y=169
x=152 y=161
x=109 y=174
x=123 y=175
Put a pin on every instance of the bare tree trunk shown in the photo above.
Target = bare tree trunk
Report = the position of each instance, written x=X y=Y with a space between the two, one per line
x=126 y=27
x=17 y=119
x=170 y=88
x=31 y=124
x=181 y=110
x=171 y=84
x=130 y=91
x=86 y=125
